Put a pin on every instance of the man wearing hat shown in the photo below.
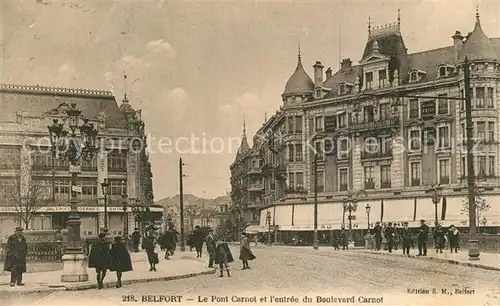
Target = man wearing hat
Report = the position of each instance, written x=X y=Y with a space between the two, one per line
x=136 y=239
x=210 y=242
x=423 y=233
x=15 y=257
x=407 y=240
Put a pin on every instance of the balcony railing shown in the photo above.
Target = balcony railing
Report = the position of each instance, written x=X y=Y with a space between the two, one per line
x=343 y=187
x=390 y=122
x=296 y=190
x=444 y=180
x=320 y=188
x=415 y=182
x=255 y=187
x=386 y=184
x=369 y=184
x=255 y=170
x=382 y=154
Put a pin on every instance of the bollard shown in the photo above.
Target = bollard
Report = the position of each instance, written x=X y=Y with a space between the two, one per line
x=473 y=249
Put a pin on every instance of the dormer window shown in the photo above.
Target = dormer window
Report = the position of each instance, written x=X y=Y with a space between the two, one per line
x=382 y=78
x=416 y=75
x=442 y=71
x=413 y=76
x=319 y=92
x=445 y=70
x=345 y=88
x=369 y=80
x=342 y=89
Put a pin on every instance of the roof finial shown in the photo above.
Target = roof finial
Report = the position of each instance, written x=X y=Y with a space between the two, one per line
x=244 y=128
x=125 y=87
x=369 y=25
x=298 y=51
x=399 y=16
x=265 y=116
x=477 y=13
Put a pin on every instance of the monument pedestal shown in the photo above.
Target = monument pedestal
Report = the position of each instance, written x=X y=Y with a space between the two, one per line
x=74 y=268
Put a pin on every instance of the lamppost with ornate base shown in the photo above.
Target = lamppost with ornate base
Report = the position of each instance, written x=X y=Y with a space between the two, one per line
x=105 y=191
x=76 y=143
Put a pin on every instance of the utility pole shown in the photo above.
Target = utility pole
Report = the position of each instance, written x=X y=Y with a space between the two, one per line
x=181 y=199
x=473 y=243
x=315 y=242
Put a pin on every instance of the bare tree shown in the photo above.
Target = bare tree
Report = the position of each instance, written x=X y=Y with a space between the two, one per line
x=481 y=206
x=27 y=192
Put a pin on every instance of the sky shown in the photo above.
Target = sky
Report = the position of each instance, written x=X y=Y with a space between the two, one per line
x=199 y=69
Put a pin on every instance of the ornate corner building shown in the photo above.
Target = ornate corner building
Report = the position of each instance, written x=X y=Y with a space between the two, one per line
x=367 y=137
x=25 y=153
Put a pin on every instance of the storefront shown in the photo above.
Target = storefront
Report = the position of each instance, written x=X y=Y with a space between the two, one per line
x=297 y=220
x=91 y=217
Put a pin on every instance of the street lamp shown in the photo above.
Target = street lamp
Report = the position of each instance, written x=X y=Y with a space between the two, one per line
x=350 y=205
x=368 y=208
x=436 y=198
x=105 y=191
x=268 y=222
x=315 y=235
x=77 y=143
x=125 y=216
x=484 y=221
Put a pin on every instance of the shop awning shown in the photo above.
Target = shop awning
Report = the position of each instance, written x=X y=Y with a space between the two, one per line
x=252 y=229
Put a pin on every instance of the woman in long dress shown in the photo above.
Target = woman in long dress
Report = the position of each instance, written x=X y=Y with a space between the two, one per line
x=120 y=260
x=245 y=251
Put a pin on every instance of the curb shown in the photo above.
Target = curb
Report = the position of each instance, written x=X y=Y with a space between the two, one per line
x=89 y=285
x=443 y=260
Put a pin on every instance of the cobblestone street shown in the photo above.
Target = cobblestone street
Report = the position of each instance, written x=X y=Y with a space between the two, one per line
x=298 y=272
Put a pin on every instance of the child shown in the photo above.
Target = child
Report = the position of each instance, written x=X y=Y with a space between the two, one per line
x=120 y=260
x=223 y=256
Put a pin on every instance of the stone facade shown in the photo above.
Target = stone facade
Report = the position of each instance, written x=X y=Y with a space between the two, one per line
x=418 y=138
x=28 y=111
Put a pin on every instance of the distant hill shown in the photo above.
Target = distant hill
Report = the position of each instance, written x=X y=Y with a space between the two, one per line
x=190 y=200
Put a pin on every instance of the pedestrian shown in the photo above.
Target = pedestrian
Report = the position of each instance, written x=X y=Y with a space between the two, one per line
x=256 y=240
x=223 y=256
x=384 y=237
x=149 y=243
x=100 y=258
x=136 y=239
x=245 y=251
x=167 y=242
x=407 y=239
x=335 y=240
x=120 y=260
x=423 y=233
x=389 y=236
x=377 y=232
x=454 y=237
x=397 y=239
x=343 y=239
x=368 y=239
x=439 y=238
x=190 y=241
x=198 y=240
x=210 y=248
x=15 y=257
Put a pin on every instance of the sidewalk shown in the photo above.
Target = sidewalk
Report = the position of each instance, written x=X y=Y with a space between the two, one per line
x=181 y=265
x=488 y=261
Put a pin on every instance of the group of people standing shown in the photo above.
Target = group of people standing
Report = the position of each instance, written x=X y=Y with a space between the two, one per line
x=389 y=237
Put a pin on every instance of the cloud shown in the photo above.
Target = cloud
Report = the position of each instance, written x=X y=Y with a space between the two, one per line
x=65 y=73
x=243 y=103
x=178 y=102
x=159 y=50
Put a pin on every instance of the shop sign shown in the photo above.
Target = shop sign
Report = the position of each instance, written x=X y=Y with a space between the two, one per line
x=428 y=109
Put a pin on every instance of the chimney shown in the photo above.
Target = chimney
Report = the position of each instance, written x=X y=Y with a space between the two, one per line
x=328 y=73
x=318 y=74
x=458 y=41
x=346 y=64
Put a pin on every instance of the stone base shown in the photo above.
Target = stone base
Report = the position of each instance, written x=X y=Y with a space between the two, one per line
x=74 y=268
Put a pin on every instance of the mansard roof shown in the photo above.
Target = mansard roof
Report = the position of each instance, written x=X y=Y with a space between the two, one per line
x=36 y=101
